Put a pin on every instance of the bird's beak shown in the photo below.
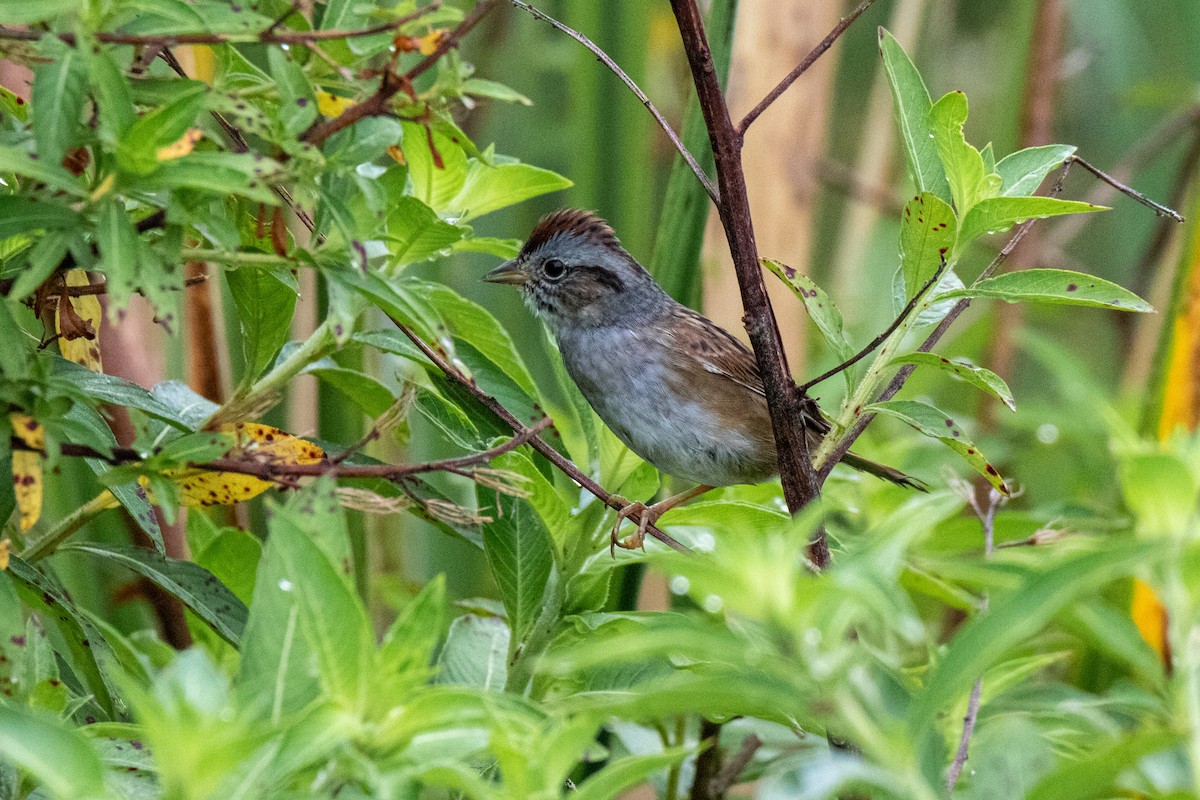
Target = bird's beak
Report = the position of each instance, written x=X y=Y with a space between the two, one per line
x=508 y=272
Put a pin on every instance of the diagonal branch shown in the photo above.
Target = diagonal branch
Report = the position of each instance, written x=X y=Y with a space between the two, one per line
x=633 y=87
x=803 y=66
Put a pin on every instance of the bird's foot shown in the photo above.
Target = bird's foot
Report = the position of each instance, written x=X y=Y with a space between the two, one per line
x=645 y=515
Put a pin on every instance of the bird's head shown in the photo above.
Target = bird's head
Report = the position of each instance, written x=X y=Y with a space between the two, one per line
x=573 y=272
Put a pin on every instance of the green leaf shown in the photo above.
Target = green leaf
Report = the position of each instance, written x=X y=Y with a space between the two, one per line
x=996 y=214
x=297 y=103
x=476 y=653
x=396 y=299
x=265 y=305
x=1160 y=490
x=23 y=214
x=518 y=548
x=19 y=162
x=365 y=392
x=496 y=91
x=1096 y=773
x=1022 y=172
x=42 y=260
x=138 y=150
x=621 y=774
x=437 y=166
x=221 y=174
x=58 y=757
x=911 y=104
x=57 y=101
x=22 y=12
x=330 y=615
x=232 y=556
x=475 y=325
x=117 y=242
x=821 y=309
x=193 y=585
x=933 y=423
x=409 y=644
x=928 y=229
x=977 y=376
x=969 y=183
x=415 y=233
x=489 y=188
x=1055 y=286
x=114 y=101
x=82 y=646
x=117 y=391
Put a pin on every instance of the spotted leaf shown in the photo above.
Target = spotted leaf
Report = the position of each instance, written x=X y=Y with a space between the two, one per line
x=78 y=322
x=936 y=425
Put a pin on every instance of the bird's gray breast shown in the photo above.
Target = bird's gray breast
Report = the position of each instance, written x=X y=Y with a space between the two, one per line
x=622 y=372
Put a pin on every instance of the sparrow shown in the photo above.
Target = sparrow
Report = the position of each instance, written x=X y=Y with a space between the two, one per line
x=677 y=389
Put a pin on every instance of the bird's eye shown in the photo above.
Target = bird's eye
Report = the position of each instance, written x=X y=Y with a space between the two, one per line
x=554 y=268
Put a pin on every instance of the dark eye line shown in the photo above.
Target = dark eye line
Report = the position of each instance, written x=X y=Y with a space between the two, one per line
x=605 y=276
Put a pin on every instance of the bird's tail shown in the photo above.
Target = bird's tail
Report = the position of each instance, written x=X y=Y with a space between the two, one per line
x=883 y=471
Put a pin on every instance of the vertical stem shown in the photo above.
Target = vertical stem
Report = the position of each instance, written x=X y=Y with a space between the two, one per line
x=795 y=468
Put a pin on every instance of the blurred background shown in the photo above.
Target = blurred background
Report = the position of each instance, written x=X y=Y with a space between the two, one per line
x=1116 y=78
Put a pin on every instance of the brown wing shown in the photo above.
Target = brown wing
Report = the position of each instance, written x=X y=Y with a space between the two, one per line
x=714 y=348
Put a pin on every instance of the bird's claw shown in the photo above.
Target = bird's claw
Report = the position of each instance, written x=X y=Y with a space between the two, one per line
x=645 y=516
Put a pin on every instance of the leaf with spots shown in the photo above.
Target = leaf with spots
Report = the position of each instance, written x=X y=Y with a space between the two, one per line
x=821 y=310
x=977 y=376
x=192 y=584
x=936 y=425
x=27 y=468
x=297 y=103
x=1055 y=286
x=998 y=214
x=78 y=322
x=928 y=230
x=252 y=442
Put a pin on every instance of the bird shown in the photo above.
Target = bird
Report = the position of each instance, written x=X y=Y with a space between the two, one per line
x=680 y=391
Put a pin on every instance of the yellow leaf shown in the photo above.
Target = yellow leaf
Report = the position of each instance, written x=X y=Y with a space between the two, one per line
x=396 y=153
x=428 y=43
x=82 y=317
x=332 y=105
x=255 y=443
x=28 y=430
x=180 y=148
x=1150 y=616
x=5 y=552
x=104 y=187
x=27 y=485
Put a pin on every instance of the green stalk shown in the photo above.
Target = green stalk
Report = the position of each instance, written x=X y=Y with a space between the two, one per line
x=236 y=257
x=46 y=544
x=320 y=344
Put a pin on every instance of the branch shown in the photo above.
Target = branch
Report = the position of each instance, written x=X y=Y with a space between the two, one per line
x=275 y=470
x=733 y=767
x=708 y=761
x=808 y=61
x=536 y=442
x=633 y=87
x=800 y=485
x=268 y=36
x=986 y=511
x=390 y=84
x=1158 y=208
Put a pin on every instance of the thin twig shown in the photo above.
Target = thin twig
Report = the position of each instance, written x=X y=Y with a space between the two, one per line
x=633 y=87
x=536 y=442
x=803 y=66
x=986 y=511
x=888 y=331
x=733 y=767
x=1158 y=208
x=268 y=36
